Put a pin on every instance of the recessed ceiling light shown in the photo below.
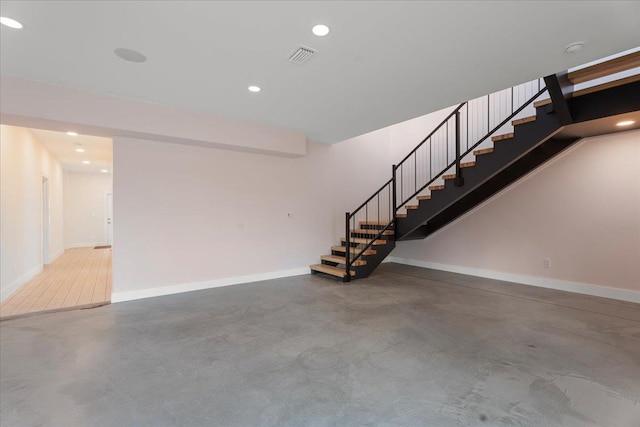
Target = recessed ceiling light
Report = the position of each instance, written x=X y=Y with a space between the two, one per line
x=254 y=89
x=574 y=47
x=320 y=30
x=86 y=162
x=11 y=23
x=72 y=134
x=80 y=150
x=129 y=55
x=104 y=170
x=625 y=123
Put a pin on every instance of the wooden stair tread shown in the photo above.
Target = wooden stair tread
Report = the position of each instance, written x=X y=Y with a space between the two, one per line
x=353 y=250
x=342 y=260
x=372 y=231
x=450 y=176
x=483 y=151
x=410 y=207
x=333 y=271
x=364 y=241
x=608 y=85
x=523 y=120
x=467 y=164
x=542 y=103
x=401 y=215
x=424 y=197
x=592 y=89
x=615 y=65
x=376 y=223
x=436 y=187
x=502 y=137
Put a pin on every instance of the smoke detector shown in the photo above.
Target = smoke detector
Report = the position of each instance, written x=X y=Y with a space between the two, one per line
x=574 y=47
x=301 y=55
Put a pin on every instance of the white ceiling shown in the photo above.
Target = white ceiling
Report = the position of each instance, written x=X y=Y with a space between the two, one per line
x=382 y=63
x=98 y=150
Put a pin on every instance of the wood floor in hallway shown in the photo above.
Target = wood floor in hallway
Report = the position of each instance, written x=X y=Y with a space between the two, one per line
x=79 y=278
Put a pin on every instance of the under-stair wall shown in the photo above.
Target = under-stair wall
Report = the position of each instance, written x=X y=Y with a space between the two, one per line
x=580 y=211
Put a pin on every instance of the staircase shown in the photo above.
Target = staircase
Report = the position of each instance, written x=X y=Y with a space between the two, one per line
x=483 y=146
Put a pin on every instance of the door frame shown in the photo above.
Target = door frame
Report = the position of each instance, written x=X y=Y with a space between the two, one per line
x=108 y=220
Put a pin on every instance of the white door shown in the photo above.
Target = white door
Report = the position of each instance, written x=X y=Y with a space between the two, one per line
x=45 y=221
x=109 y=219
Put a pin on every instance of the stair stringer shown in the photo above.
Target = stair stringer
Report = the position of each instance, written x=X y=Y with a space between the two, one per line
x=449 y=201
x=373 y=261
x=514 y=172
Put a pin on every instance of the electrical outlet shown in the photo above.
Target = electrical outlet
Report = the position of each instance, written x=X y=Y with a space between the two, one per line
x=547 y=263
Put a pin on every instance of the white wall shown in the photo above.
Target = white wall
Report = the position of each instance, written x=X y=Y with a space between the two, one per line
x=191 y=217
x=581 y=211
x=85 y=208
x=186 y=215
x=23 y=163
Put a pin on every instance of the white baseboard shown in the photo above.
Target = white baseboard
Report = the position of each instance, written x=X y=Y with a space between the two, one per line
x=207 y=284
x=85 y=245
x=15 y=285
x=543 y=282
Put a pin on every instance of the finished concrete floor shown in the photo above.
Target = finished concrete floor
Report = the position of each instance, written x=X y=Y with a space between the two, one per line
x=406 y=347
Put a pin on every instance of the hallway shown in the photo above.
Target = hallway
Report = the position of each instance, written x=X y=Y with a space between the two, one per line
x=79 y=278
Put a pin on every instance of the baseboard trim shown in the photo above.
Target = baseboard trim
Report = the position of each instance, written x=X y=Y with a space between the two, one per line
x=117 y=297
x=543 y=282
x=15 y=285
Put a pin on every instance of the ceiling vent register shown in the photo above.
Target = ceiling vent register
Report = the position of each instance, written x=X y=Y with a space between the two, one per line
x=302 y=55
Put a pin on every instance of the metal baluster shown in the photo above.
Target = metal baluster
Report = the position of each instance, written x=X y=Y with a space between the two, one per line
x=347 y=263
x=447 y=144
x=488 y=114
x=430 y=160
x=402 y=181
x=459 y=181
x=378 y=199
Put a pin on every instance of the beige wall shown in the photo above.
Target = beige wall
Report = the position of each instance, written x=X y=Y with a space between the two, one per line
x=581 y=211
x=85 y=208
x=186 y=215
x=23 y=163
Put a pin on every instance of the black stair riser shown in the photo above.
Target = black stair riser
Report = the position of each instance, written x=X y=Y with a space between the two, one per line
x=371 y=227
x=371 y=236
x=607 y=103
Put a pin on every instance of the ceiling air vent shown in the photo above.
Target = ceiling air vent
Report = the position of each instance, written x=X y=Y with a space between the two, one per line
x=301 y=55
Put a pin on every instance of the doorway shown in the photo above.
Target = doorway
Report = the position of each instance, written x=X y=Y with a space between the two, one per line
x=65 y=258
x=46 y=221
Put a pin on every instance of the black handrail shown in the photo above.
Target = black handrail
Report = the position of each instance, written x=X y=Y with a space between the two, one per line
x=370 y=198
x=469 y=150
x=505 y=121
x=432 y=133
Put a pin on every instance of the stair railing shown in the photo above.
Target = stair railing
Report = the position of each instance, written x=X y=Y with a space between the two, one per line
x=376 y=212
x=447 y=148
